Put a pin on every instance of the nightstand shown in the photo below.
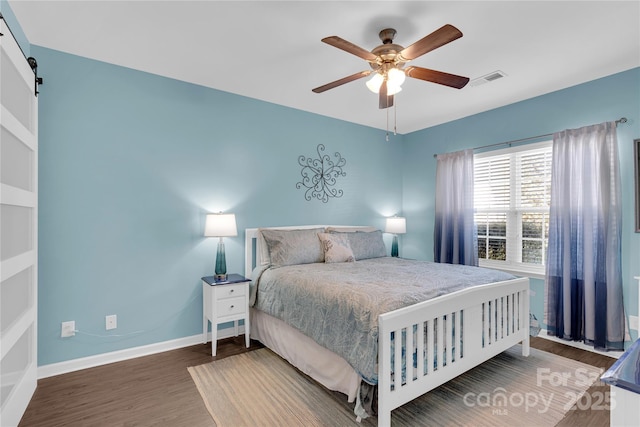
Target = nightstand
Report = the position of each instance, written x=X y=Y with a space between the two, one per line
x=224 y=301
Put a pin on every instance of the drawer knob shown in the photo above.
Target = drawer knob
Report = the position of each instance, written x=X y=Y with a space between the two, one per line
x=232 y=306
x=231 y=291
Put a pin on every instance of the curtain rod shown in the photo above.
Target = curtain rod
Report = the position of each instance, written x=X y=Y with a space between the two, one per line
x=620 y=120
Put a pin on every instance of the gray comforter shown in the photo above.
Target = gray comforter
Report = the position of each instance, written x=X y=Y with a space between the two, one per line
x=338 y=304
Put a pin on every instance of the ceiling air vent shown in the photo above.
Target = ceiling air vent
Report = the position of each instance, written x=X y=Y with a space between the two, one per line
x=496 y=75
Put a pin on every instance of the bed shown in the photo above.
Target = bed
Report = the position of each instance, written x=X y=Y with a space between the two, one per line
x=407 y=338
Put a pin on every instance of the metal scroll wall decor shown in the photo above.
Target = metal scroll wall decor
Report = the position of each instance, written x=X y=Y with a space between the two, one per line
x=319 y=175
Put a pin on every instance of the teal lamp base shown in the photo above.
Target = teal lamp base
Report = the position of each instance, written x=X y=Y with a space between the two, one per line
x=394 y=246
x=221 y=263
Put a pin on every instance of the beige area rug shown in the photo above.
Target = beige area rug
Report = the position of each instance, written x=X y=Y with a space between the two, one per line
x=259 y=388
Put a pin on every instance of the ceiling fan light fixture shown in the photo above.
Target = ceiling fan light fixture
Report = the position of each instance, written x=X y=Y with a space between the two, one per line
x=375 y=82
x=395 y=77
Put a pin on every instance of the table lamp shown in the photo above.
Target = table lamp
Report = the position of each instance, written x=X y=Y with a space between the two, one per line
x=220 y=225
x=395 y=225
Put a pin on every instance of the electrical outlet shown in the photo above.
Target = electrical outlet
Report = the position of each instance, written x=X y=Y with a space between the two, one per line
x=68 y=329
x=633 y=322
x=111 y=321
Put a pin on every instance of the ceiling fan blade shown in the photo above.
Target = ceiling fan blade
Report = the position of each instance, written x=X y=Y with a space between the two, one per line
x=439 y=77
x=385 y=101
x=341 y=43
x=342 y=81
x=439 y=37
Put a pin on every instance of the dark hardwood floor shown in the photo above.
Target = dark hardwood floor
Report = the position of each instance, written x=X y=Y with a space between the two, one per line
x=154 y=390
x=587 y=411
x=157 y=390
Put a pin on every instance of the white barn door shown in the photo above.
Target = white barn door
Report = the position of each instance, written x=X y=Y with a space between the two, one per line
x=18 y=230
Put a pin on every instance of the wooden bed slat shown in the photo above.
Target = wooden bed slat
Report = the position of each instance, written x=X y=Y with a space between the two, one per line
x=485 y=323
x=397 y=367
x=449 y=343
x=457 y=336
x=499 y=320
x=430 y=346
x=420 y=349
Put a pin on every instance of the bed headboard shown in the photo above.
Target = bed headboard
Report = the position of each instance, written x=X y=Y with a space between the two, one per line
x=252 y=256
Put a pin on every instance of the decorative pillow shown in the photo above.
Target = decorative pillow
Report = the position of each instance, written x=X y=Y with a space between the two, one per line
x=365 y=244
x=336 y=248
x=289 y=247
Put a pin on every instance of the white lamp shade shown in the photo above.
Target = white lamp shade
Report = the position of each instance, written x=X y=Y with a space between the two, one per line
x=396 y=225
x=220 y=225
x=375 y=82
x=396 y=77
x=392 y=89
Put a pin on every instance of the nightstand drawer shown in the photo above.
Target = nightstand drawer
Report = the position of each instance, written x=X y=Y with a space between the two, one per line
x=230 y=306
x=231 y=291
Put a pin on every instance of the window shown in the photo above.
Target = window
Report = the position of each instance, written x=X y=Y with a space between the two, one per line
x=512 y=192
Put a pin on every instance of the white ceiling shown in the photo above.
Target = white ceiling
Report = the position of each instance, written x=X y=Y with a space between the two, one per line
x=272 y=51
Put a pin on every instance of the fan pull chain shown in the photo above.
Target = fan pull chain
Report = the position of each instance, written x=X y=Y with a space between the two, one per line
x=395 y=119
x=387 y=125
x=395 y=116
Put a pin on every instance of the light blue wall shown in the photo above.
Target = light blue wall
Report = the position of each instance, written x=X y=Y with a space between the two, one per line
x=131 y=162
x=594 y=102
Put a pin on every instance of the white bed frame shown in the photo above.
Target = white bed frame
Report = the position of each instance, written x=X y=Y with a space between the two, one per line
x=465 y=329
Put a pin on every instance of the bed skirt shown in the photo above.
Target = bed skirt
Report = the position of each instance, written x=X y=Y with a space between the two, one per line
x=323 y=365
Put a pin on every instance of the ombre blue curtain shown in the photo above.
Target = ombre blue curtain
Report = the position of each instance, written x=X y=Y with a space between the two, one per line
x=584 y=273
x=455 y=237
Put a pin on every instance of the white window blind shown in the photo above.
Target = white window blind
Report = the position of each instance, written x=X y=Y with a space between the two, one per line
x=511 y=200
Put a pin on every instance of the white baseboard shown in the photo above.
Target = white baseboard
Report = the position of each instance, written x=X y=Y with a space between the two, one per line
x=73 y=365
x=581 y=346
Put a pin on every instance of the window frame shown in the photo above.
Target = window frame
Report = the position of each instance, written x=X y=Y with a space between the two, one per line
x=514 y=216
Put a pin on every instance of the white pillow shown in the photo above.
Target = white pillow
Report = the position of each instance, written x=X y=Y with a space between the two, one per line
x=336 y=248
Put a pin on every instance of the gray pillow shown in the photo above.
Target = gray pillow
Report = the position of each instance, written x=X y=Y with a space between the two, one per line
x=290 y=247
x=364 y=244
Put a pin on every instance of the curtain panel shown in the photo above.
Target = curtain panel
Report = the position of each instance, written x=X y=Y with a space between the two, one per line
x=455 y=233
x=584 y=274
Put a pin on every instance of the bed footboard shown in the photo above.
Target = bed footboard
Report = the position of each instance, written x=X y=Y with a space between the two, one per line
x=427 y=344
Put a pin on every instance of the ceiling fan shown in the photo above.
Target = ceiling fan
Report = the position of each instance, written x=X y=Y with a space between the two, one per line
x=388 y=61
